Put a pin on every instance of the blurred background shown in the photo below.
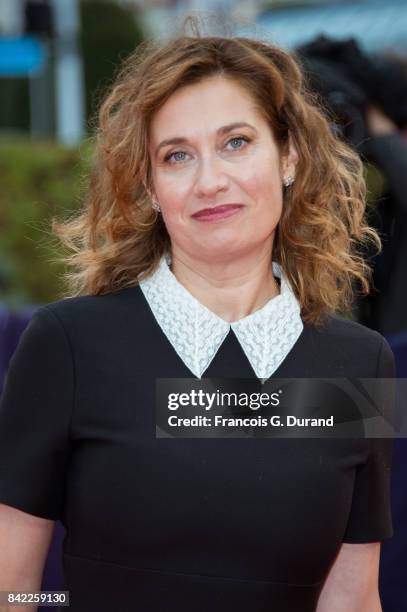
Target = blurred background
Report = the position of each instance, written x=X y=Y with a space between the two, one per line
x=58 y=56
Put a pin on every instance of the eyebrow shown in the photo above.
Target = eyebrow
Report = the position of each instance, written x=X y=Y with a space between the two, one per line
x=225 y=129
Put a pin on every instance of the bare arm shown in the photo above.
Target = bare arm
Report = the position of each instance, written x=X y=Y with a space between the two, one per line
x=352 y=583
x=24 y=544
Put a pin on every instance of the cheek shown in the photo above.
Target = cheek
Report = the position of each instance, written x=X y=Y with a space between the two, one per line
x=265 y=189
x=172 y=197
x=173 y=211
x=262 y=175
x=168 y=189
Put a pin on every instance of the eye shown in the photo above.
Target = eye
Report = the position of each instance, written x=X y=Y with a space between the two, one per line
x=238 y=139
x=170 y=156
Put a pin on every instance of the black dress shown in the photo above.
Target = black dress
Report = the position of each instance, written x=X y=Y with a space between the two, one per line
x=181 y=525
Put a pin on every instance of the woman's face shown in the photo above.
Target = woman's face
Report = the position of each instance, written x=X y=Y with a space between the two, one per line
x=210 y=146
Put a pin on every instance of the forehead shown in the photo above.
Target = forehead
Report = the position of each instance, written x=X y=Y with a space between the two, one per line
x=206 y=105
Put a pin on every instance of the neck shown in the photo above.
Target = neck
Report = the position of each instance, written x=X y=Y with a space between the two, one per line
x=233 y=288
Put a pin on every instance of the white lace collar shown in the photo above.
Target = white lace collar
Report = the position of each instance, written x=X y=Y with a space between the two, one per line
x=196 y=333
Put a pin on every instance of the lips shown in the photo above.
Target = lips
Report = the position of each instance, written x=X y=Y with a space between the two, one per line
x=217 y=210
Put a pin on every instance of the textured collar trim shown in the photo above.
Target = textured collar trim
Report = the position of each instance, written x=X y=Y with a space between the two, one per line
x=196 y=333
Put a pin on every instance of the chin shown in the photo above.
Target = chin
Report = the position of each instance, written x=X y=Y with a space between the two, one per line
x=220 y=250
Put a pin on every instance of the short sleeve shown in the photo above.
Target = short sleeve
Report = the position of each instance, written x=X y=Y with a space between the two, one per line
x=370 y=517
x=35 y=413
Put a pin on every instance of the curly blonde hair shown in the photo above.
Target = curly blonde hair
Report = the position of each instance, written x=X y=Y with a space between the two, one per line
x=117 y=238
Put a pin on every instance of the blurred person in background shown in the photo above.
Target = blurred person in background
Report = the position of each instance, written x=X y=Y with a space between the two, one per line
x=220 y=236
x=367 y=99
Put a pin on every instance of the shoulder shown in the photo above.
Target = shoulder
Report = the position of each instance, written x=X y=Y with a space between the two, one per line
x=345 y=330
x=89 y=318
x=355 y=348
x=82 y=309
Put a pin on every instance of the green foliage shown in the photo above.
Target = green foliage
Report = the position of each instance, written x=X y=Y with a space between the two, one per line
x=38 y=182
x=15 y=104
x=109 y=34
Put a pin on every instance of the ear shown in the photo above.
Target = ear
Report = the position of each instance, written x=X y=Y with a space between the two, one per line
x=289 y=161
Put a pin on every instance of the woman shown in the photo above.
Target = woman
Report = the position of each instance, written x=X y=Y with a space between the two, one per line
x=219 y=238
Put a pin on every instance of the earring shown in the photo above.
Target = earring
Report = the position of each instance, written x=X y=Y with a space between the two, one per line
x=155 y=205
x=288 y=181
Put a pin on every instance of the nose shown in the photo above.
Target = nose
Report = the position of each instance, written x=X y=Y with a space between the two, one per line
x=211 y=177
